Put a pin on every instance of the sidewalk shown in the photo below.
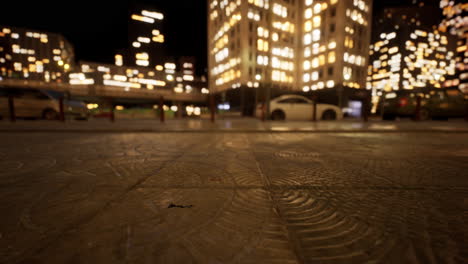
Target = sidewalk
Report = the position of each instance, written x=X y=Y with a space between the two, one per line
x=246 y=125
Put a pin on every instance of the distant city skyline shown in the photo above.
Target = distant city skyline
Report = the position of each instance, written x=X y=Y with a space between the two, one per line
x=103 y=27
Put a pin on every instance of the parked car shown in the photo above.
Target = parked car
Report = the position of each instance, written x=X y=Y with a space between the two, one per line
x=296 y=107
x=435 y=103
x=34 y=103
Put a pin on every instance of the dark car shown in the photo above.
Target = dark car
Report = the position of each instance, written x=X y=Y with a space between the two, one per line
x=435 y=103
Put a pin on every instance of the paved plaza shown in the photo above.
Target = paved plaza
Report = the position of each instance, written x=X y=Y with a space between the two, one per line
x=212 y=198
x=236 y=125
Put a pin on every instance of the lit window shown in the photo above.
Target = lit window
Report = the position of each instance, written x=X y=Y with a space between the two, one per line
x=307 y=39
x=275 y=37
x=308 y=13
x=317 y=21
x=308 y=26
x=331 y=57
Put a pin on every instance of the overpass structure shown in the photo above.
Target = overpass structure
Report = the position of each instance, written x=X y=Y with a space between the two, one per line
x=108 y=92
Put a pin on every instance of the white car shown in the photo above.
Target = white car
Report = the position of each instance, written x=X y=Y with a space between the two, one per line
x=296 y=107
x=33 y=103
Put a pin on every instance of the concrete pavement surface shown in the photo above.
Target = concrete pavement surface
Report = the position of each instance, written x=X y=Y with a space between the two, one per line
x=233 y=198
x=246 y=125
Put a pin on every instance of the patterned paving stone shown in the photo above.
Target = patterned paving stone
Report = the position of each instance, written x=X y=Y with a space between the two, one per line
x=233 y=198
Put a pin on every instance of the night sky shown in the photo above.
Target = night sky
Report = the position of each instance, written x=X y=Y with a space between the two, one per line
x=98 y=29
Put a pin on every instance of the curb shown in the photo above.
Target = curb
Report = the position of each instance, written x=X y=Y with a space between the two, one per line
x=231 y=131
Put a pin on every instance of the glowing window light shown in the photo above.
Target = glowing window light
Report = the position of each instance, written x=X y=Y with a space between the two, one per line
x=170 y=66
x=143 y=19
x=330 y=84
x=316 y=35
x=315 y=63
x=188 y=78
x=17 y=66
x=331 y=57
x=118 y=60
x=317 y=8
x=332 y=45
x=307 y=39
x=317 y=21
x=322 y=60
x=136 y=44
x=103 y=69
x=144 y=40
x=307 y=26
x=308 y=13
x=221 y=55
x=121 y=78
x=275 y=37
x=143 y=63
x=391 y=36
x=154 y=15
x=393 y=50
x=280 y=10
x=142 y=56
x=347 y=73
x=79 y=76
x=315 y=76
x=188 y=65
x=158 y=39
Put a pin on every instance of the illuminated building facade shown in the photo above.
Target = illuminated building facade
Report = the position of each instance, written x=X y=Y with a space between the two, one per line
x=295 y=46
x=407 y=54
x=456 y=22
x=117 y=76
x=145 y=38
x=145 y=64
x=163 y=78
x=34 y=55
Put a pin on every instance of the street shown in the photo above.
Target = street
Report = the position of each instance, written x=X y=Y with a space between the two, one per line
x=233 y=197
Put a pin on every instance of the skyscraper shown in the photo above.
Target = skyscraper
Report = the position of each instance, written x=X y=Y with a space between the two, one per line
x=146 y=38
x=456 y=22
x=409 y=52
x=288 y=46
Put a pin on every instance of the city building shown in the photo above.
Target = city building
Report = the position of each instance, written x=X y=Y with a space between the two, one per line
x=145 y=64
x=456 y=22
x=287 y=46
x=408 y=53
x=33 y=55
x=145 y=39
x=163 y=78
